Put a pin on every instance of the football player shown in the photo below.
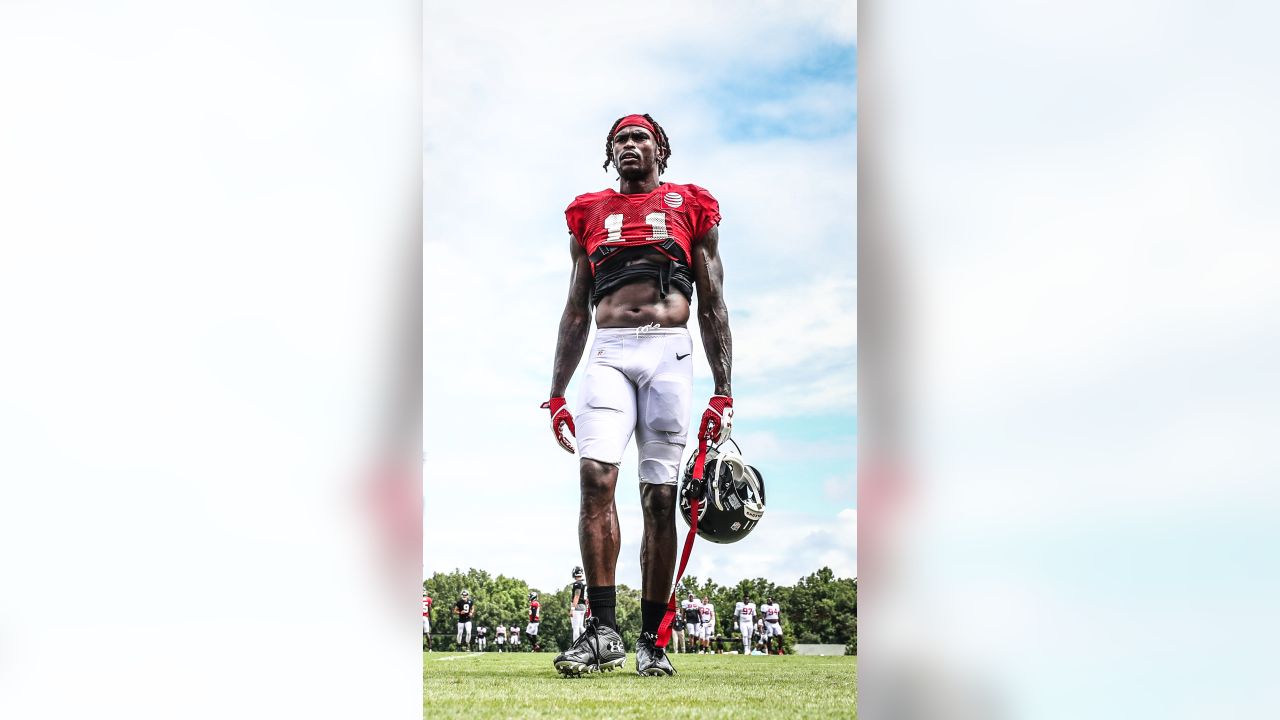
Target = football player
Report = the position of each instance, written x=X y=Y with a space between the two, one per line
x=707 y=623
x=693 y=621
x=513 y=639
x=462 y=609
x=426 y=620
x=745 y=611
x=578 y=602
x=772 y=624
x=500 y=637
x=535 y=617
x=480 y=637
x=638 y=255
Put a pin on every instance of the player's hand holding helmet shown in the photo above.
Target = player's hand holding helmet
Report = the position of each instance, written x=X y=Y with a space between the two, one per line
x=562 y=423
x=730 y=495
x=717 y=420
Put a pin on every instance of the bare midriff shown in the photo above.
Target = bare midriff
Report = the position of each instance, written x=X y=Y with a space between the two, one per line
x=640 y=303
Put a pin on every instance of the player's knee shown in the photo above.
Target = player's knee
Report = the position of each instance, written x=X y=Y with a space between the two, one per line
x=597 y=480
x=658 y=502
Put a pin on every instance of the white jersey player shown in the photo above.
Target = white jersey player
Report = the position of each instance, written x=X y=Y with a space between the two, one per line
x=772 y=624
x=707 y=615
x=745 y=612
x=500 y=637
x=693 y=621
x=513 y=638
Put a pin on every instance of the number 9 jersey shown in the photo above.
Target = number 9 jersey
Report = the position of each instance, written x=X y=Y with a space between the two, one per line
x=671 y=218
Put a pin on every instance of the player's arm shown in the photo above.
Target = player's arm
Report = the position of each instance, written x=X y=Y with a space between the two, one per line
x=575 y=322
x=713 y=316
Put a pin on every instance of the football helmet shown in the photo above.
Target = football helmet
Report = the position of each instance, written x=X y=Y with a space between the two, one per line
x=577 y=572
x=533 y=595
x=465 y=594
x=730 y=495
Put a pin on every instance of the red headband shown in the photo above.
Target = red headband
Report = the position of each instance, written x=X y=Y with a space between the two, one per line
x=638 y=120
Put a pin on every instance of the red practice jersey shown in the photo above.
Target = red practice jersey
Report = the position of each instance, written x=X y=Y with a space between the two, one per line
x=426 y=606
x=672 y=215
x=533 y=611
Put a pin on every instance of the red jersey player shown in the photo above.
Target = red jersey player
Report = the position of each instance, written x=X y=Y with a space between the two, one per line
x=640 y=254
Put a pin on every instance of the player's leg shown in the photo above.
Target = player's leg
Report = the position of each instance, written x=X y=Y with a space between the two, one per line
x=605 y=422
x=657 y=551
x=663 y=397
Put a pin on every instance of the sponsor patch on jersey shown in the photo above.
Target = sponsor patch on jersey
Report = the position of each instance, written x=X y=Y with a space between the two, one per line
x=673 y=200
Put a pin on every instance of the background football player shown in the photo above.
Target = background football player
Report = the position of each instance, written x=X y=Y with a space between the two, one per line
x=578 y=602
x=462 y=609
x=500 y=637
x=426 y=621
x=638 y=253
x=693 y=621
x=772 y=624
x=707 y=624
x=480 y=637
x=535 y=617
x=745 y=612
x=513 y=639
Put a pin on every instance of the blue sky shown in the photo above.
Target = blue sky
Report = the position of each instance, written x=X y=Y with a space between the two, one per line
x=761 y=112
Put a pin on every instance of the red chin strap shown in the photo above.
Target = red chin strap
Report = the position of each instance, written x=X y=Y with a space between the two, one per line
x=664 y=629
x=639 y=121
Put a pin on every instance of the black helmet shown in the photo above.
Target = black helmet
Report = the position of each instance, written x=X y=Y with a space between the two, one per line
x=577 y=571
x=731 y=495
x=533 y=595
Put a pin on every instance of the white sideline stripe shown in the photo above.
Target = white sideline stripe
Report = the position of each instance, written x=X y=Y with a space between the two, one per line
x=458 y=657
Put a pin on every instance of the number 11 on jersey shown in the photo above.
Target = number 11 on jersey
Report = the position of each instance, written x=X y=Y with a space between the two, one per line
x=656 y=220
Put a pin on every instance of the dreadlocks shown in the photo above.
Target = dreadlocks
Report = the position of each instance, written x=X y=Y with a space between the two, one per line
x=663 y=143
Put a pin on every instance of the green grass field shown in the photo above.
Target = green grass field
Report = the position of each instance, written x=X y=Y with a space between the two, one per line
x=480 y=686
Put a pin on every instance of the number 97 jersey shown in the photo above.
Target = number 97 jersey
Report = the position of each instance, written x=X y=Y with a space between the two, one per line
x=671 y=218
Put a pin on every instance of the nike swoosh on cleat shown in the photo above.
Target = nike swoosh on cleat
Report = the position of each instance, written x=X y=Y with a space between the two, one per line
x=681 y=357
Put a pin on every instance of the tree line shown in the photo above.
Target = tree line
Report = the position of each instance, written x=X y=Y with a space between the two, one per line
x=819 y=608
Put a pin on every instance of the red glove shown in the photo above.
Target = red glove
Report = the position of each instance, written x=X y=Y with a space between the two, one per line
x=717 y=420
x=562 y=423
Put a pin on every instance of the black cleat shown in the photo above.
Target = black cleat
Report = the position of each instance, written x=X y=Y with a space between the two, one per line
x=597 y=649
x=651 y=659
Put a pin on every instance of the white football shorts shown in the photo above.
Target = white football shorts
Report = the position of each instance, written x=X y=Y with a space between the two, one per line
x=638 y=381
x=772 y=629
x=531 y=629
